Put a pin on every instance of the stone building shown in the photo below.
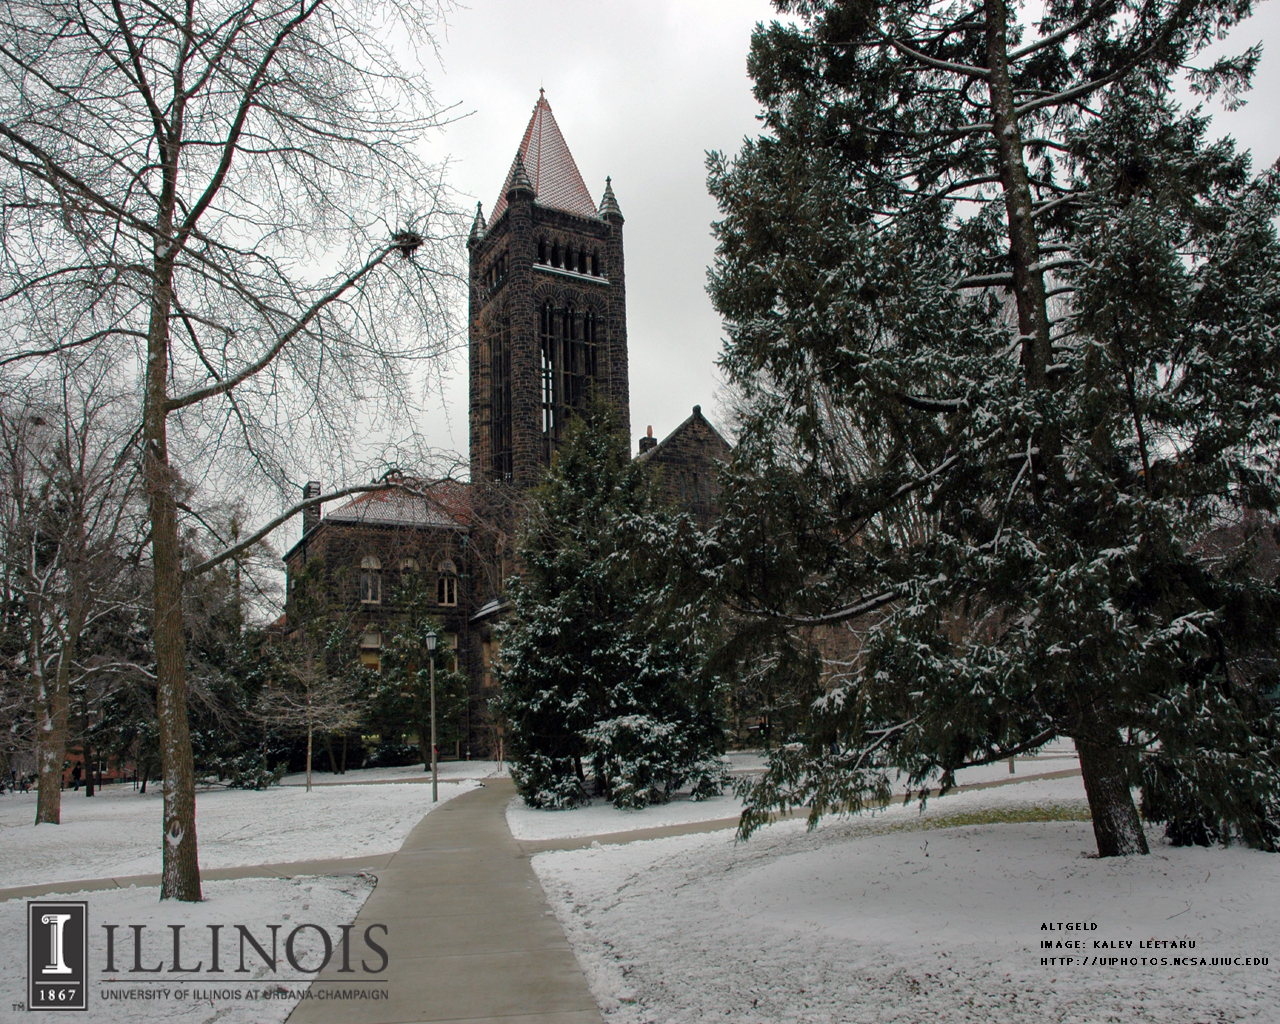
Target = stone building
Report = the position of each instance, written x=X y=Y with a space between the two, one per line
x=547 y=330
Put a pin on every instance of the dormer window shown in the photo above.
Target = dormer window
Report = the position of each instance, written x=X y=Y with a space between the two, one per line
x=447 y=584
x=370 y=580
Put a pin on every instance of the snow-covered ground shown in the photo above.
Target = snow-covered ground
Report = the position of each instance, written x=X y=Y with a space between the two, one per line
x=601 y=817
x=403 y=773
x=910 y=917
x=255 y=902
x=117 y=832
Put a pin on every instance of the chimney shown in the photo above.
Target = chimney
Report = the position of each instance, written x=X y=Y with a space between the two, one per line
x=310 y=516
x=648 y=442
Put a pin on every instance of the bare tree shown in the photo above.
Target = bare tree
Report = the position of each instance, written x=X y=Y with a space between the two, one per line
x=69 y=485
x=234 y=188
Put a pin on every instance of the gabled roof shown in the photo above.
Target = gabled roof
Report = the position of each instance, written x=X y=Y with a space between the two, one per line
x=445 y=503
x=692 y=422
x=549 y=166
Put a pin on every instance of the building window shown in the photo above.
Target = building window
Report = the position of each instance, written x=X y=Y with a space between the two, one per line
x=371 y=649
x=542 y=250
x=370 y=580
x=447 y=584
x=595 y=264
x=500 y=397
x=555 y=254
x=409 y=565
x=569 y=345
x=550 y=362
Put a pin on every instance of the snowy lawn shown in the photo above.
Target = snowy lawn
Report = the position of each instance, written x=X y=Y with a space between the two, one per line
x=911 y=918
x=601 y=817
x=254 y=902
x=117 y=832
x=404 y=773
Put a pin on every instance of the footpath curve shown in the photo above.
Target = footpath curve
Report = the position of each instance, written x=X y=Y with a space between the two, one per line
x=469 y=934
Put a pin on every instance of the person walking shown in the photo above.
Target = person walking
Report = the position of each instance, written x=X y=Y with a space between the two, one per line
x=75 y=778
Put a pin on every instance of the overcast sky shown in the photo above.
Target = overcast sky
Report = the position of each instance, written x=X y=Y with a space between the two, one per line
x=641 y=91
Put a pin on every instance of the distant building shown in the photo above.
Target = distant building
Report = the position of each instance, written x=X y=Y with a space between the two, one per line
x=547 y=328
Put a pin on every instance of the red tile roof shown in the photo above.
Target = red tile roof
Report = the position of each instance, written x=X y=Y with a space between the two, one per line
x=550 y=167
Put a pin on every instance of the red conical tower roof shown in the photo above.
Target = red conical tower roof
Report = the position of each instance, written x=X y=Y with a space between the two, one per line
x=549 y=166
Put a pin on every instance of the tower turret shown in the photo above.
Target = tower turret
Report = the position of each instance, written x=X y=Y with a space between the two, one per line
x=548 y=308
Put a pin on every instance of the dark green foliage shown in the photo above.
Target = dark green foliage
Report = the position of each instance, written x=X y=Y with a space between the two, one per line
x=402 y=695
x=601 y=664
x=1011 y=492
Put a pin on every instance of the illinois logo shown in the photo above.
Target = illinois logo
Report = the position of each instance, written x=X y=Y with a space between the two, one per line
x=57 y=956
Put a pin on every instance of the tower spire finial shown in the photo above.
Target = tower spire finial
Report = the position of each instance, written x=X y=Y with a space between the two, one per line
x=520 y=177
x=609 y=204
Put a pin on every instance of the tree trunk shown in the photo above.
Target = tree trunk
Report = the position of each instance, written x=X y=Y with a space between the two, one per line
x=180 y=872
x=53 y=709
x=1024 y=247
x=308 y=739
x=1116 y=826
x=87 y=754
x=328 y=746
x=344 y=752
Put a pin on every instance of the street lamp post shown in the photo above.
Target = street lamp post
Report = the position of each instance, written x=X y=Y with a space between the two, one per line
x=431 y=670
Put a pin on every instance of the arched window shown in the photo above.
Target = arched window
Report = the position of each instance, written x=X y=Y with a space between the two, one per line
x=542 y=250
x=447 y=584
x=370 y=580
x=555 y=254
x=582 y=262
x=595 y=264
x=569 y=257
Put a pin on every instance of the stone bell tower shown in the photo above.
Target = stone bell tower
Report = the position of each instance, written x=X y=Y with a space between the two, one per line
x=548 y=311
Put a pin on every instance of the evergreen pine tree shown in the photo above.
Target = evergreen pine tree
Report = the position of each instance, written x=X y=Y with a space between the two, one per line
x=1003 y=318
x=602 y=687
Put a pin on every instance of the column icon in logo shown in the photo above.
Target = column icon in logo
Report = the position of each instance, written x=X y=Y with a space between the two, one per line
x=57 y=956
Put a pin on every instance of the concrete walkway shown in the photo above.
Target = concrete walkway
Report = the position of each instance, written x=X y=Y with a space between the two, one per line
x=469 y=934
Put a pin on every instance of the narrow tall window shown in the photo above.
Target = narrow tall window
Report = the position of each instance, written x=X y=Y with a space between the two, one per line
x=370 y=580
x=447 y=584
x=575 y=377
x=542 y=250
x=595 y=264
x=550 y=391
x=500 y=397
x=555 y=254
